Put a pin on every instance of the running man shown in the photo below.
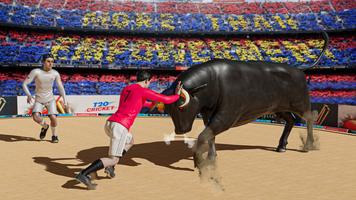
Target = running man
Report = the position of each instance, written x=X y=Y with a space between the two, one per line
x=132 y=99
x=44 y=79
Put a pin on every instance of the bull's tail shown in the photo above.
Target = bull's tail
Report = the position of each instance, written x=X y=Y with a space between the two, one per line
x=326 y=44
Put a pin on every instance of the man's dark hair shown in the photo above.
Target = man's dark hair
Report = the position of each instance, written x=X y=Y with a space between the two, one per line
x=45 y=56
x=143 y=76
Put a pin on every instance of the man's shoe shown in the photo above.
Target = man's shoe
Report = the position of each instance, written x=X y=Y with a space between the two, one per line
x=110 y=171
x=86 y=181
x=43 y=132
x=55 y=139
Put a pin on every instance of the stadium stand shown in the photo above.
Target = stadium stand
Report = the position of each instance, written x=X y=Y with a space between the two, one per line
x=181 y=17
x=99 y=34
x=26 y=47
x=334 y=89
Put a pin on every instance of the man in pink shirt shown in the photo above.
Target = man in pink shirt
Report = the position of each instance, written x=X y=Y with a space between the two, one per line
x=132 y=99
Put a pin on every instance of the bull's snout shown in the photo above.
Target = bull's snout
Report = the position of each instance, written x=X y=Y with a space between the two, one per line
x=180 y=132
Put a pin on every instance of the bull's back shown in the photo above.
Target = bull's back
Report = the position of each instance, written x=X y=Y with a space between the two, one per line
x=256 y=88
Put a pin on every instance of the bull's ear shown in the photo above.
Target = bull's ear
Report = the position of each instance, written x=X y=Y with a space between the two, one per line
x=196 y=89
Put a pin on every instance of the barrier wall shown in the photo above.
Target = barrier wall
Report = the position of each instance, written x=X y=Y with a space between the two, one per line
x=79 y=105
x=8 y=106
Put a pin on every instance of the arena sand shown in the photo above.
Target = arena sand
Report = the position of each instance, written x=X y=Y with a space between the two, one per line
x=247 y=166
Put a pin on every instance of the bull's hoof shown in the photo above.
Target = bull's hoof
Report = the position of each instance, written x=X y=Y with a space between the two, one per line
x=310 y=147
x=281 y=149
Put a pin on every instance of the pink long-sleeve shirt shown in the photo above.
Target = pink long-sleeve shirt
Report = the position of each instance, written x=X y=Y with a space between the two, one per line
x=132 y=99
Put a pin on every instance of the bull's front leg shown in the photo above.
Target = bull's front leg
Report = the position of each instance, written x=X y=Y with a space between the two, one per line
x=204 y=137
x=212 y=150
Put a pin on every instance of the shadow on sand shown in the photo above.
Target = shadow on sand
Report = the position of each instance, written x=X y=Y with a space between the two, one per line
x=16 y=138
x=156 y=152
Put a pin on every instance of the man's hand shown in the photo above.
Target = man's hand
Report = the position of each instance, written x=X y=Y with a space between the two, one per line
x=66 y=108
x=29 y=99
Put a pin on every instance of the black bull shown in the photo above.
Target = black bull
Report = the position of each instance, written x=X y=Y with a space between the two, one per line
x=232 y=93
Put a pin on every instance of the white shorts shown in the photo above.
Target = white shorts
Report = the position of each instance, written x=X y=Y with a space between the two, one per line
x=51 y=107
x=119 y=138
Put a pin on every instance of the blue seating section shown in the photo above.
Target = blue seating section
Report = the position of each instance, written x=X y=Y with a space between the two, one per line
x=4 y=13
x=14 y=88
x=328 y=85
x=334 y=100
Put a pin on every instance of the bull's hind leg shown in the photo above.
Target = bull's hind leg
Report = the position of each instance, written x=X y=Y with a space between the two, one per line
x=290 y=119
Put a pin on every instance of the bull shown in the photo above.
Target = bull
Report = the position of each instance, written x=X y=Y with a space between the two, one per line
x=231 y=93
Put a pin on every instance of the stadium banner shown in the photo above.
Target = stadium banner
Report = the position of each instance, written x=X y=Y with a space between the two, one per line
x=8 y=105
x=78 y=105
x=347 y=117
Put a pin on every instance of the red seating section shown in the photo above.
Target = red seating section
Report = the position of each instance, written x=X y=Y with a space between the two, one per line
x=214 y=7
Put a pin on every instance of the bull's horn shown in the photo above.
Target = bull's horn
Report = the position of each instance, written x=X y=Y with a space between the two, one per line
x=185 y=94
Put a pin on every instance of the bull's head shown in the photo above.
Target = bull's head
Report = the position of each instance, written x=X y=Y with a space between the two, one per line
x=183 y=111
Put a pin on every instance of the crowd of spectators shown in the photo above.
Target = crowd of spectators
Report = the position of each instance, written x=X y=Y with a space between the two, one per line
x=20 y=47
x=215 y=7
x=335 y=89
x=181 y=17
